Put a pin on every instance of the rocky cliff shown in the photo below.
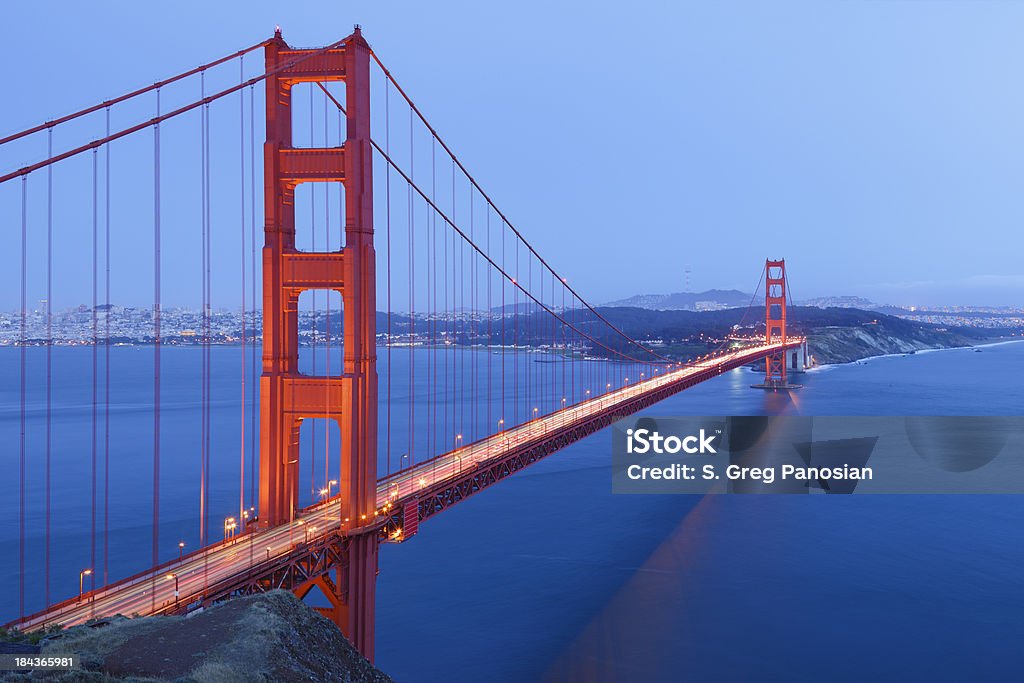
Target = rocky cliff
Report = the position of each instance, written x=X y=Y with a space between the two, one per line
x=830 y=344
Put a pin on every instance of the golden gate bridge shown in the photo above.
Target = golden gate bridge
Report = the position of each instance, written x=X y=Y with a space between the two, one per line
x=371 y=174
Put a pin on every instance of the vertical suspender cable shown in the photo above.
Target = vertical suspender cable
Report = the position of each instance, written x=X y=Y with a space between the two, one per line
x=432 y=310
x=472 y=324
x=487 y=347
x=528 y=328
x=436 y=328
x=431 y=388
x=387 y=199
x=254 y=407
x=312 y=230
x=207 y=303
x=501 y=280
x=570 y=348
x=204 y=125
x=106 y=366
x=203 y=455
x=447 y=328
x=515 y=344
x=22 y=378
x=341 y=307
x=49 y=351
x=327 y=324
x=456 y=357
x=453 y=316
x=241 y=179
x=552 y=342
x=412 y=303
x=460 y=316
x=540 y=333
x=156 y=347
x=562 y=330
x=95 y=355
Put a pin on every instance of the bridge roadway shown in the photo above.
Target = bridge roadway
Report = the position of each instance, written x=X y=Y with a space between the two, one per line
x=198 y=575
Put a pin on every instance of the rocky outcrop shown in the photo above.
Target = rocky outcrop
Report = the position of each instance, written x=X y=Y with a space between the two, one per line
x=268 y=637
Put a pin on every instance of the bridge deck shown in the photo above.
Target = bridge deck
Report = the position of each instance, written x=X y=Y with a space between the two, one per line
x=263 y=551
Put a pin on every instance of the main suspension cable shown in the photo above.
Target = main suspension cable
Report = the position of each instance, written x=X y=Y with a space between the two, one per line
x=106 y=104
x=163 y=117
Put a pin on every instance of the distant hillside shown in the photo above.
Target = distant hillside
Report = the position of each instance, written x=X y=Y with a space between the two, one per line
x=685 y=301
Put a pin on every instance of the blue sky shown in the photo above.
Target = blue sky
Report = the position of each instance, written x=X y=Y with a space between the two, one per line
x=876 y=145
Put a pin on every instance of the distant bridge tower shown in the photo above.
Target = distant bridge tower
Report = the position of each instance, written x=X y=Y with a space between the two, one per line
x=286 y=396
x=775 y=322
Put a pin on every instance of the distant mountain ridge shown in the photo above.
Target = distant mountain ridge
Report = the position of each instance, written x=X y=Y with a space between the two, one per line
x=685 y=301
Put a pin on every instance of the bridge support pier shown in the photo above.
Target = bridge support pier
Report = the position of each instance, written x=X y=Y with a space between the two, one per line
x=796 y=360
x=286 y=395
x=359 y=580
x=351 y=591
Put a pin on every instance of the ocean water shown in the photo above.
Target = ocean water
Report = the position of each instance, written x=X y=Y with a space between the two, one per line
x=548 y=576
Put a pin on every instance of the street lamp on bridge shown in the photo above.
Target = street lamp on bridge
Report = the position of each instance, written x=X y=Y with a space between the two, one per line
x=81 y=582
x=175 y=577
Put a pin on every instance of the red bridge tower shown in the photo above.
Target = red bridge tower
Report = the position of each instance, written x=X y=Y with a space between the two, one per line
x=287 y=396
x=775 y=322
